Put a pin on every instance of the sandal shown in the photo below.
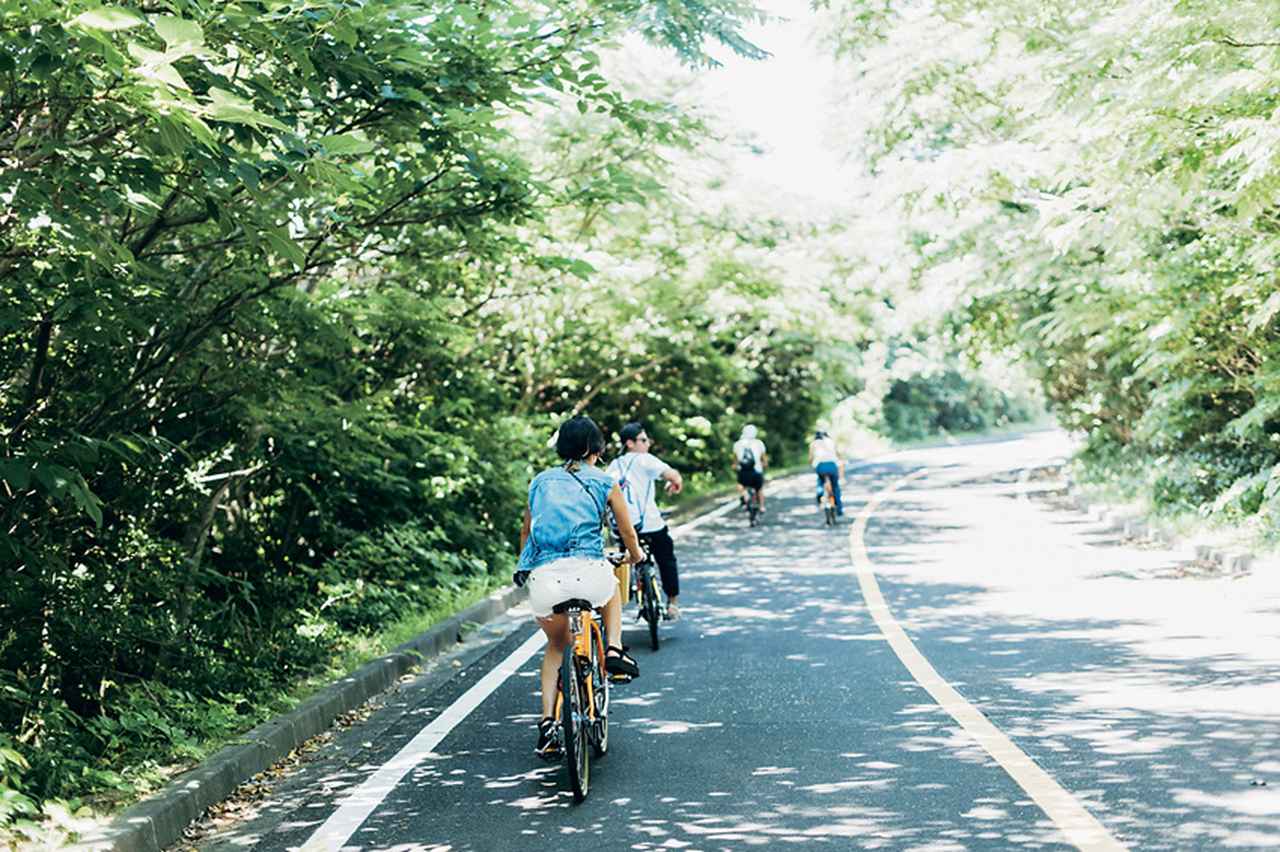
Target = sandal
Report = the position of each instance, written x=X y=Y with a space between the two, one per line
x=672 y=613
x=548 y=747
x=620 y=664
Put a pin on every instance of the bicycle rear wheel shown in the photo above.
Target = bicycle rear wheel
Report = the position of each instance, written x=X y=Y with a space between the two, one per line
x=753 y=508
x=574 y=719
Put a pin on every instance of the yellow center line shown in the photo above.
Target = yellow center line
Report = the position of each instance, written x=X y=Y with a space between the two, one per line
x=1081 y=828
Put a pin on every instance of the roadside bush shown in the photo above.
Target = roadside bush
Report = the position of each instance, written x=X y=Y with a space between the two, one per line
x=383 y=574
x=947 y=401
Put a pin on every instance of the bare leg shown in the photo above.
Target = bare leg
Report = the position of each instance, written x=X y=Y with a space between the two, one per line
x=612 y=616
x=557 y=629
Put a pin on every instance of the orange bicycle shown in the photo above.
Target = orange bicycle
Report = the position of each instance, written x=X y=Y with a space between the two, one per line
x=582 y=695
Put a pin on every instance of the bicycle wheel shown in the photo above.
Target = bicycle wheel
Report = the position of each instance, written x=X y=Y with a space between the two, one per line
x=574 y=719
x=753 y=508
x=652 y=607
x=831 y=515
x=600 y=690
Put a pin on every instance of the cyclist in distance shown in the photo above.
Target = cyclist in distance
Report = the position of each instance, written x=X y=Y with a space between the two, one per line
x=562 y=555
x=750 y=460
x=824 y=456
x=637 y=472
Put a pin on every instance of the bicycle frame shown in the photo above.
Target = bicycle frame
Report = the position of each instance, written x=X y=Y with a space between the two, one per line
x=583 y=628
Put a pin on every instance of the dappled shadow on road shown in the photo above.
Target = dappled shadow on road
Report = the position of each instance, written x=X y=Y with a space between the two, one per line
x=775 y=712
x=821 y=739
x=1137 y=693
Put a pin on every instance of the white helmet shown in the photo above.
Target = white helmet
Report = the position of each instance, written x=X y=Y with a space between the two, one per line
x=749 y=432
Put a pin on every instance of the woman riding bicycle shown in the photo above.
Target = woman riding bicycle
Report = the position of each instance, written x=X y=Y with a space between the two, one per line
x=562 y=549
x=824 y=456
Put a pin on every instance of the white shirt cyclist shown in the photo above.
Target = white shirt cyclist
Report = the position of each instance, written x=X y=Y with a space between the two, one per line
x=755 y=445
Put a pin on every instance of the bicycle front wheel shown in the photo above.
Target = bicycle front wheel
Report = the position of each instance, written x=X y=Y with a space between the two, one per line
x=575 y=718
x=652 y=608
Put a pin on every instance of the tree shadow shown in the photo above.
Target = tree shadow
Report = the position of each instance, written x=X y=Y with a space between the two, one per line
x=775 y=712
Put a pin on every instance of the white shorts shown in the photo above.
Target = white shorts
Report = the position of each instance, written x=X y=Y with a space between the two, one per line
x=572 y=577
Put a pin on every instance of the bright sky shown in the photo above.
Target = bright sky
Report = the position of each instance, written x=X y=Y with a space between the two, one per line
x=783 y=101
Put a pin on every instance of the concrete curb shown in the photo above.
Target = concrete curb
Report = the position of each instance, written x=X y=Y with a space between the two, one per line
x=1139 y=527
x=158 y=821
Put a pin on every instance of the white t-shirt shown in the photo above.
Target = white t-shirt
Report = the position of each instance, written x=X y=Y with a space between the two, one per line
x=637 y=475
x=757 y=448
x=824 y=450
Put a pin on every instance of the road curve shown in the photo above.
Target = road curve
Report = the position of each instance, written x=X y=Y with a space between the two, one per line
x=779 y=709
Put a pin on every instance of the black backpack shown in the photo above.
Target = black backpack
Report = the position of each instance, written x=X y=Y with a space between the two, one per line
x=747 y=459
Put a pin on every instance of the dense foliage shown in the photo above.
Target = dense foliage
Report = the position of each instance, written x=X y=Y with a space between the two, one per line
x=1091 y=185
x=290 y=298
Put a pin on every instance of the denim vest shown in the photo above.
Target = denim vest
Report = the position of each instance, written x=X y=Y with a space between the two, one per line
x=565 y=516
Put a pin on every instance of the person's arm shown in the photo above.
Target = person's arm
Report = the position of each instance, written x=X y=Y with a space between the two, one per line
x=658 y=469
x=524 y=529
x=811 y=446
x=625 y=530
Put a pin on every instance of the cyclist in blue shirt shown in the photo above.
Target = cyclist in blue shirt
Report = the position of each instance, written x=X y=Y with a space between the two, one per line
x=562 y=557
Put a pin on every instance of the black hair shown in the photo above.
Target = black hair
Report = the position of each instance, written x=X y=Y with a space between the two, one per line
x=819 y=434
x=630 y=432
x=578 y=438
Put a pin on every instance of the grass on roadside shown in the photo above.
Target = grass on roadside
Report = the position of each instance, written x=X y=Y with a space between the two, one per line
x=61 y=821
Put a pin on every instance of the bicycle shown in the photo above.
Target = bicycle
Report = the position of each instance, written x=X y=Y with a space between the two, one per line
x=582 y=694
x=828 y=501
x=753 y=506
x=647 y=597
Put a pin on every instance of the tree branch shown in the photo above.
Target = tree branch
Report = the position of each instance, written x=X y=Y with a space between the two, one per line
x=1231 y=42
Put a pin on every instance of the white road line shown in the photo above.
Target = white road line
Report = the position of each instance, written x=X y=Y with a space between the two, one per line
x=355 y=808
x=1081 y=828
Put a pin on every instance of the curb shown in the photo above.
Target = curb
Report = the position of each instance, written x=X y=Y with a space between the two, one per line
x=1139 y=527
x=158 y=821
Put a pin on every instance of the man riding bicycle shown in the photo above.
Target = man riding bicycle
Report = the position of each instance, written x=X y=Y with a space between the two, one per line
x=562 y=557
x=637 y=472
x=750 y=460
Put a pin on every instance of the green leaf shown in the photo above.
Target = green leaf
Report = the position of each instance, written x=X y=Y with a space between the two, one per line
x=231 y=108
x=175 y=138
x=109 y=18
x=179 y=33
x=155 y=66
x=346 y=143
x=55 y=479
x=282 y=245
x=17 y=473
x=86 y=500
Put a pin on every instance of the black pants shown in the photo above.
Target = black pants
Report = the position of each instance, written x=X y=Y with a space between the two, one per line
x=664 y=553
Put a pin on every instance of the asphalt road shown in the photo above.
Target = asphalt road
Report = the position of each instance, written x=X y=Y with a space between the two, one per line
x=776 y=712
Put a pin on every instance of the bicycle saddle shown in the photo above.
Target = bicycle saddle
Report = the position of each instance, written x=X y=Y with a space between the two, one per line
x=573 y=603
